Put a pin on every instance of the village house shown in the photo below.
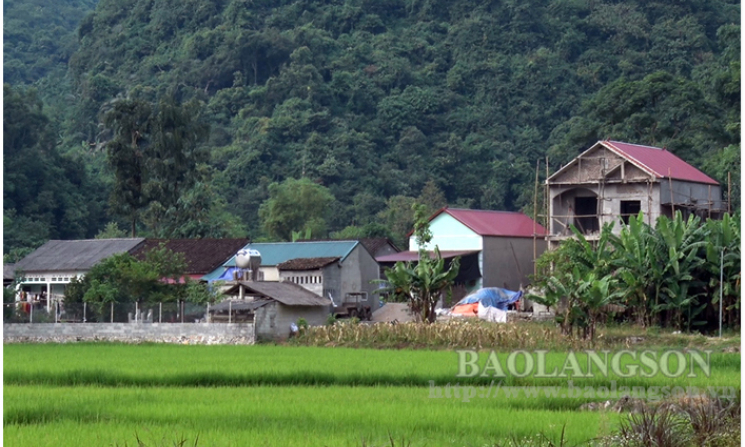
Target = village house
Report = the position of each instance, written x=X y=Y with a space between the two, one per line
x=47 y=270
x=274 y=307
x=202 y=256
x=612 y=180
x=335 y=268
x=497 y=248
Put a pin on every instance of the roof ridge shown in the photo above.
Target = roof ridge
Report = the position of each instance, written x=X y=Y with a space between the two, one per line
x=639 y=145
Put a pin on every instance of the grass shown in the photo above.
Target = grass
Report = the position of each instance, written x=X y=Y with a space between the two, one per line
x=333 y=416
x=89 y=364
x=167 y=395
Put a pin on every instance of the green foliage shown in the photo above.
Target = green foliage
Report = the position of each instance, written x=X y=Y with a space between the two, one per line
x=45 y=194
x=111 y=231
x=123 y=279
x=667 y=274
x=295 y=204
x=377 y=102
x=421 y=285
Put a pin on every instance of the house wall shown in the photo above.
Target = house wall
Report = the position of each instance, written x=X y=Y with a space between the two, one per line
x=53 y=282
x=654 y=198
x=358 y=271
x=271 y=272
x=273 y=320
x=502 y=267
x=385 y=250
x=332 y=282
x=265 y=321
x=450 y=234
x=311 y=280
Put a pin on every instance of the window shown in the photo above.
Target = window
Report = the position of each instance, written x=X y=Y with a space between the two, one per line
x=630 y=208
x=586 y=214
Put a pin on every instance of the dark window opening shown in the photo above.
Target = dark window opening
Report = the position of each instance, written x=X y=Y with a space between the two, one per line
x=586 y=214
x=630 y=208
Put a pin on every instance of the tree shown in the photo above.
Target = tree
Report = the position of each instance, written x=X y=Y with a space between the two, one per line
x=295 y=205
x=423 y=284
x=123 y=279
x=159 y=166
x=131 y=122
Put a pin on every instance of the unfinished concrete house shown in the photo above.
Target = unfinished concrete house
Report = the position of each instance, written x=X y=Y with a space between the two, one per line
x=613 y=180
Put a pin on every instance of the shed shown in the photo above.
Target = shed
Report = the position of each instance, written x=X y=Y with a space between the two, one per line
x=279 y=304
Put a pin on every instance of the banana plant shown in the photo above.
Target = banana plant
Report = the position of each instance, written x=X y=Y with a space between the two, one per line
x=637 y=266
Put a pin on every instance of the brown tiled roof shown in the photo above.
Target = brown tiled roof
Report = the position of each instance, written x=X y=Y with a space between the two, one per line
x=306 y=263
x=373 y=244
x=202 y=255
x=287 y=293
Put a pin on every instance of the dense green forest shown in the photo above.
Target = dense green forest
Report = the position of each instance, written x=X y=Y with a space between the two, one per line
x=373 y=104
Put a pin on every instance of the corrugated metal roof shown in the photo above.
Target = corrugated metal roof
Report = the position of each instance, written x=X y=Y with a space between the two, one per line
x=409 y=256
x=306 y=263
x=495 y=223
x=55 y=256
x=274 y=253
x=287 y=293
x=662 y=163
x=202 y=255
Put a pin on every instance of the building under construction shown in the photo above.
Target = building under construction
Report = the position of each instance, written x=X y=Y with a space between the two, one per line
x=612 y=180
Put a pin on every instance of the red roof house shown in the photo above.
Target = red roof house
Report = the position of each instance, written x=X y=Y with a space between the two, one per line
x=503 y=245
x=613 y=180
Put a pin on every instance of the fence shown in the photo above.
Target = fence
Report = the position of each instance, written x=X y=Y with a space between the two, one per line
x=61 y=312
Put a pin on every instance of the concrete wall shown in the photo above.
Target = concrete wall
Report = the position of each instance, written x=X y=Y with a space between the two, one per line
x=273 y=320
x=357 y=272
x=311 y=280
x=448 y=233
x=125 y=331
x=500 y=267
x=265 y=321
x=332 y=282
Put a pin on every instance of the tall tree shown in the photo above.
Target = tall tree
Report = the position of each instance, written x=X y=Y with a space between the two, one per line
x=130 y=120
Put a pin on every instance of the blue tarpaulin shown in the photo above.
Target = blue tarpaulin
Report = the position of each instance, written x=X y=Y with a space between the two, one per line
x=226 y=276
x=492 y=297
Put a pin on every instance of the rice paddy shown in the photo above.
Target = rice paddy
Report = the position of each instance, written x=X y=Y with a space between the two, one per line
x=115 y=394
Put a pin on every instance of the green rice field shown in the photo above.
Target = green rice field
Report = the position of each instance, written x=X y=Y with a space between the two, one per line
x=115 y=394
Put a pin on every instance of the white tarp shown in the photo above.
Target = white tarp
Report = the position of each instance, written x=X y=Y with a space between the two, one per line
x=492 y=314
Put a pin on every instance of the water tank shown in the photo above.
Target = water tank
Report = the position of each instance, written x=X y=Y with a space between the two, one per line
x=248 y=259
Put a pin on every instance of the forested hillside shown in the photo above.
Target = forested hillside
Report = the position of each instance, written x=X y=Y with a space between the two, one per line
x=383 y=102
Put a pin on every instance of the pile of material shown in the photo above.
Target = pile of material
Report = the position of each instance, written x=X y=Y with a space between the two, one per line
x=390 y=312
x=489 y=304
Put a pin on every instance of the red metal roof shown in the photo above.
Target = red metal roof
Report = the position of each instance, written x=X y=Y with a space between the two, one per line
x=408 y=256
x=495 y=223
x=660 y=162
